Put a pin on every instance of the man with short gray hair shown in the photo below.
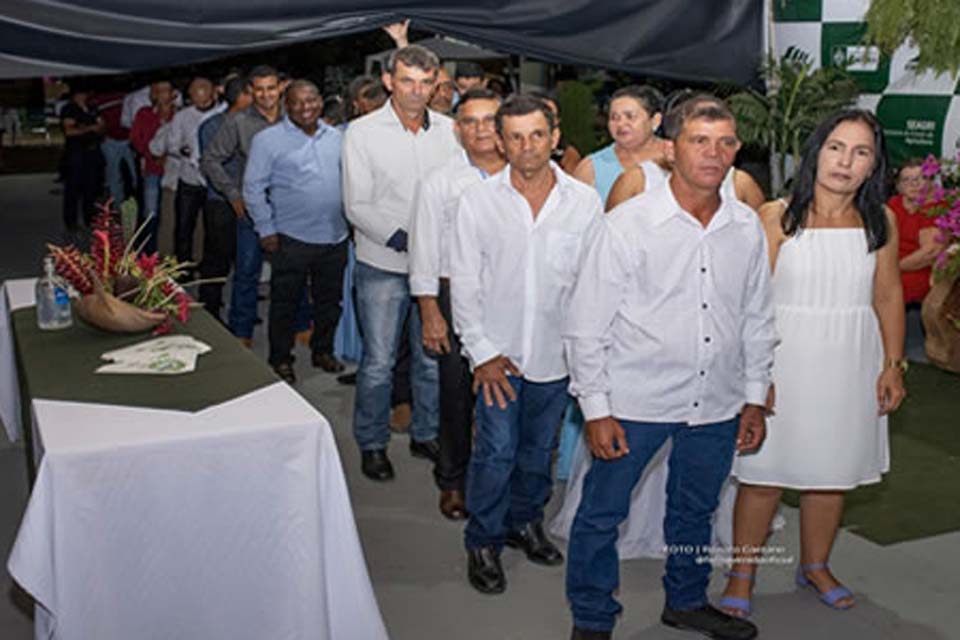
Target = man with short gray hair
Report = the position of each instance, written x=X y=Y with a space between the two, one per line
x=385 y=155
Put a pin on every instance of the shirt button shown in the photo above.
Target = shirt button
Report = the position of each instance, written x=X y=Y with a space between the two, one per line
x=704 y=305
x=707 y=339
x=696 y=404
x=703 y=269
x=703 y=373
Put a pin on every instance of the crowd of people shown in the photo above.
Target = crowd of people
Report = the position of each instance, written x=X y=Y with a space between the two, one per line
x=648 y=280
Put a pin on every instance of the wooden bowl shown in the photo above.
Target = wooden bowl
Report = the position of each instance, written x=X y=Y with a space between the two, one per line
x=107 y=312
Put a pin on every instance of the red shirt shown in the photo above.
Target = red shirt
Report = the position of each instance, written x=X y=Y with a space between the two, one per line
x=916 y=284
x=145 y=125
x=110 y=106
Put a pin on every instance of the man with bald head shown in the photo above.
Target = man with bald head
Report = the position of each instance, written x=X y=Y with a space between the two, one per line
x=179 y=139
x=301 y=224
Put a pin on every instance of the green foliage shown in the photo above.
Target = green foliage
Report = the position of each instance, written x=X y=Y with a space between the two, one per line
x=798 y=99
x=579 y=111
x=933 y=26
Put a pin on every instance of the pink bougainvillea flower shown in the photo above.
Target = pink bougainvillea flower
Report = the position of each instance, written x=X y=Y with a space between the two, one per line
x=930 y=166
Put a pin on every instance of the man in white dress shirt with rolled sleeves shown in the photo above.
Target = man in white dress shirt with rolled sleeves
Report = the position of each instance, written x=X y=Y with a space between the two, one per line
x=670 y=334
x=517 y=241
x=385 y=155
x=431 y=233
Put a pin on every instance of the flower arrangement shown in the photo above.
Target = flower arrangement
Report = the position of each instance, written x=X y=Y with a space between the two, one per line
x=116 y=268
x=941 y=196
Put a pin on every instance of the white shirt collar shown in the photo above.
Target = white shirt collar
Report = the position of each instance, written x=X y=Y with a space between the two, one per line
x=502 y=178
x=666 y=207
x=390 y=114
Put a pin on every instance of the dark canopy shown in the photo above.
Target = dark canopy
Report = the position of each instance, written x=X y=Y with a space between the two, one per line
x=684 y=39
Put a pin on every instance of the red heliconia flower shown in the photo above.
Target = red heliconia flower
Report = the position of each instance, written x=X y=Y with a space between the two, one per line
x=148 y=264
x=183 y=307
x=164 y=327
x=72 y=266
x=100 y=251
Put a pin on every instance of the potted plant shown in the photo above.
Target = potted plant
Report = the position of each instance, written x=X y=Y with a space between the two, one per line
x=798 y=97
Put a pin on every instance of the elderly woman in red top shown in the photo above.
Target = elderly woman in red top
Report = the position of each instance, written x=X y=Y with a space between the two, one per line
x=918 y=235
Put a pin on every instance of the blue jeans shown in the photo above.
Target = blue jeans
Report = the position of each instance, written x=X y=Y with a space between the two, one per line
x=117 y=153
x=699 y=463
x=383 y=302
x=508 y=479
x=246 y=279
x=150 y=210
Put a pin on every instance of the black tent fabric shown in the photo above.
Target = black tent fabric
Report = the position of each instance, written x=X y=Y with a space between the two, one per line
x=683 y=39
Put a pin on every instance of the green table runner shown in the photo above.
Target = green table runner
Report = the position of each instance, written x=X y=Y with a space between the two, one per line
x=59 y=365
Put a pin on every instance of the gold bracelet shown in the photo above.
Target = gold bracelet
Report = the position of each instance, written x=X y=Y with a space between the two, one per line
x=897 y=363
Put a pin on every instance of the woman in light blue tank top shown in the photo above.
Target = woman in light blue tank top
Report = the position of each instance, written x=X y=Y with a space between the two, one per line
x=634 y=116
x=635 y=113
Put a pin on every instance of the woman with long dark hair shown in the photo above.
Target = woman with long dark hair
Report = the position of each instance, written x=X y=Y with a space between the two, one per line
x=838 y=368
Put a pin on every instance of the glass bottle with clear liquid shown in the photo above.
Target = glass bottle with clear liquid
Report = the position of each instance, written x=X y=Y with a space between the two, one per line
x=53 y=300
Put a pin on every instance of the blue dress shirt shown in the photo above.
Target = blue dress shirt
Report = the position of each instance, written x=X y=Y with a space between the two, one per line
x=292 y=183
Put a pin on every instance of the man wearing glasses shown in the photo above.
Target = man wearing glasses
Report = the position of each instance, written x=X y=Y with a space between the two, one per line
x=431 y=229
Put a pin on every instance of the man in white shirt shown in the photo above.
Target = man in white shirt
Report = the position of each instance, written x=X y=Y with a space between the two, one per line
x=517 y=241
x=671 y=335
x=178 y=139
x=431 y=231
x=386 y=154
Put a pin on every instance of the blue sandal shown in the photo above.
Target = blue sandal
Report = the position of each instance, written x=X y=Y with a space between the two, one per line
x=741 y=605
x=831 y=597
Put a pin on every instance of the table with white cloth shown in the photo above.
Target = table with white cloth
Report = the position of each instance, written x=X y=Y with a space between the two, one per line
x=232 y=521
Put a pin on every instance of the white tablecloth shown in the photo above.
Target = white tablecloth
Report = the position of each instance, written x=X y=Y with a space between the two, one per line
x=20 y=294
x=233 y=522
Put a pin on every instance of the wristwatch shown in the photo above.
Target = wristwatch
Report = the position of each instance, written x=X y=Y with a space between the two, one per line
x=896 y=363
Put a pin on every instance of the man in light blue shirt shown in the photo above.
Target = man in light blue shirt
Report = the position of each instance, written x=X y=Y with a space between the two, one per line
x=291 y=188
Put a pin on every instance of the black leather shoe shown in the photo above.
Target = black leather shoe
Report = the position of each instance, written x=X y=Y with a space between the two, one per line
x=711 y=622
x=348 y=378
x=534 y=542
x=327 y=362
x=429 y=449
x=285 y=371
x=484 y=570
x=587 y=634
x=376 y=465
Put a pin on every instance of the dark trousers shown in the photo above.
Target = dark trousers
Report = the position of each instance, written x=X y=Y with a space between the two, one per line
x=699 y=463
x=456 y=408
x=293 y=264
x=82 y=185
x=219 y=251
x=187 y=206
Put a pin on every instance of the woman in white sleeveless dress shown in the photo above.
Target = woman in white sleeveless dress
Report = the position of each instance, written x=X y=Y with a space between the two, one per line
x=837 y=371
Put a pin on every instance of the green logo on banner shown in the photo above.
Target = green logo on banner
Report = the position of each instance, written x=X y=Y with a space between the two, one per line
x=841 y=45
x=797 y=10
x=913 y=125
